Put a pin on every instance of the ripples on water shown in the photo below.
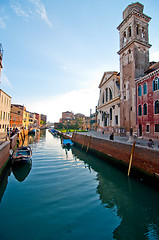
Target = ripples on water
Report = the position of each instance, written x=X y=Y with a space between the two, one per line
x=73 y=195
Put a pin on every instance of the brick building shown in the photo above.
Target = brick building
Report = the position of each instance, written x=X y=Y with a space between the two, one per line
x=134 y=60
x=67 y=116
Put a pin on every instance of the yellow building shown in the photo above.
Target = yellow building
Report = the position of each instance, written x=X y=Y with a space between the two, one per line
x=5 y=106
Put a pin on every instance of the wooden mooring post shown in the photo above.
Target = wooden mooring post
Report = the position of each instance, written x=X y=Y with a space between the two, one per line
x=89 y=143
x=84 y=141
x=131 y=157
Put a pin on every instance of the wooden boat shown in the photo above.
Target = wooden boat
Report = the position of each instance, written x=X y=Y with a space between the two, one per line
x=22 y=154
x=32 y=131
x=67 y=143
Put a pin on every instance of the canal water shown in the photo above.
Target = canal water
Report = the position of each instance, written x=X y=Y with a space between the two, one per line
x=73 y=195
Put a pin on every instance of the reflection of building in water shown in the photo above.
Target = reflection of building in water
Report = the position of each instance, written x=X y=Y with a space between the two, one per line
x=4 y=181
x=34 y=138
x=135 y=205
x=42 y=132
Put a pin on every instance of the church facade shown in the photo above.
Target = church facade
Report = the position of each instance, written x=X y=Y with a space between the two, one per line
x=134 y=67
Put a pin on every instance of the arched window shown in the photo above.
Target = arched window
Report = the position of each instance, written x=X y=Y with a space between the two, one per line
x=142 y=32
x=157 y=107
x=145 y=88
x=124 y=37
x=110 y=94
x=139 y=90
x=129 y=31
x=103 y=98
x=106 y=94
x=155 y=84
x=145 y=109
x=137 y=29
x=110 y=113
x=139 y=110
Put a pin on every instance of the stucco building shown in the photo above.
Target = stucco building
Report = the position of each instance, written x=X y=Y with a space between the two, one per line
x=109 y=102
x=16 y=117
x=134 y=60
x=148 y=103
x=5 y=105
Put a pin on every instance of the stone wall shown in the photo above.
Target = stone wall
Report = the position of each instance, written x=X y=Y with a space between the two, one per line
x=4 y=155
x=145 y=162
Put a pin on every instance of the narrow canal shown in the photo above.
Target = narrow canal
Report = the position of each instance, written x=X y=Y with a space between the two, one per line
x=73 y=195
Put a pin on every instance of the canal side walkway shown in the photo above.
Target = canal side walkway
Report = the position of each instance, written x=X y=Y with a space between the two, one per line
x=138 y=141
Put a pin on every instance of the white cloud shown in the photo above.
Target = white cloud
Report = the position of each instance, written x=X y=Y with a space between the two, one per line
x=4 y=80
x=30 y=8
x=18 y=9
x=2 y=23
x=77 y=101
x=41 y=11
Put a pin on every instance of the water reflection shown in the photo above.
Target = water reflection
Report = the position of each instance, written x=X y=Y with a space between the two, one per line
x=136 y=205
x=34 y=138
x=4 y=182
x=20 y=172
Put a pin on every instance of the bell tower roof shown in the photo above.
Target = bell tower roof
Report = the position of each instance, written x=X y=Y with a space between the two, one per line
x=133 y=9
x=135 y=6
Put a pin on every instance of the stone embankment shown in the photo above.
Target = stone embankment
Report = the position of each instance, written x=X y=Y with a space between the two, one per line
x=145 y=162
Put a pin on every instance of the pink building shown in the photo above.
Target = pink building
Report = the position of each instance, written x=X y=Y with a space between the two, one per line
x=148 y=103
x=67 y=116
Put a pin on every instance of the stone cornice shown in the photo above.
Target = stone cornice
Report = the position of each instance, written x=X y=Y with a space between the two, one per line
x=116 y=99
x=136 y=13
x=112 y=74
x=137 y=80
x=132 y=41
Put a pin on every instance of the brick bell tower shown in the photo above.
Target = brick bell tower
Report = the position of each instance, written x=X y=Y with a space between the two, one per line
x=134 y=59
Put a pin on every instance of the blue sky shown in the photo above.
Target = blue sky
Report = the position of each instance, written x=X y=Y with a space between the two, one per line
x=56 y=51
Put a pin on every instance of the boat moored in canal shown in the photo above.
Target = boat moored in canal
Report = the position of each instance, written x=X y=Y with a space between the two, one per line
x=32 y=131
x=22 y=155
x=67 y=143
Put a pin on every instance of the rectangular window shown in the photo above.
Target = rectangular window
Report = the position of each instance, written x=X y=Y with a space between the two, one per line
x=116 y=119
x=139 y=90
x=110 y=114
x=147 y=128
x=139 y=110
x=145 y=88
x=156 y=127
x=106 y=93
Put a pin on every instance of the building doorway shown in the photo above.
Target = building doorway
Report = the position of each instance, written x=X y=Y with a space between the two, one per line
x=140 y=130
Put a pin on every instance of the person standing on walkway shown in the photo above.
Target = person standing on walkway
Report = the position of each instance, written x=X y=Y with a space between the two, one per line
x=111 y=136
x=131 y=131
x=150 y=143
